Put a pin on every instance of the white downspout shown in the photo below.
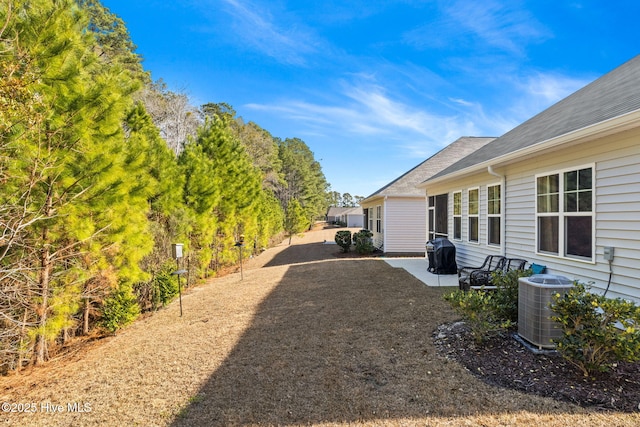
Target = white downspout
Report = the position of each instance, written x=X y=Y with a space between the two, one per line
x=503 y=209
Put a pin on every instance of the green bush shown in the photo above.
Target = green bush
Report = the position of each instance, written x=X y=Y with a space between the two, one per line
x=343 y=239
x=120 y=309
x=165 y=284
x=597 y=331
x=505 y=297
x=478 y=310
x=490 y=312
x=363 y=241
x=160 y=290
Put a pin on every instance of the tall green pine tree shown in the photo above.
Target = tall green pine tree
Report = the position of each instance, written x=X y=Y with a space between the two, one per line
x=89 y=220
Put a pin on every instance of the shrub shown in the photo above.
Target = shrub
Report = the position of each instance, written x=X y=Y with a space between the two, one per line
x=363 y=241
x=597 y=331
x=120 y=309
x=505 y=298
x=478 y=310
x=165 y=284
x=160 y=290
x=343 y=239
x=490 y=312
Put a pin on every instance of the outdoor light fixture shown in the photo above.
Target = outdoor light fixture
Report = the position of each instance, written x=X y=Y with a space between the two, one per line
x=176 y=253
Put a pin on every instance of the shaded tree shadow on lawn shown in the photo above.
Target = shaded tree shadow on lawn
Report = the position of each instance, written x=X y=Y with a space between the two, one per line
x=304 y=253
x=345 y=340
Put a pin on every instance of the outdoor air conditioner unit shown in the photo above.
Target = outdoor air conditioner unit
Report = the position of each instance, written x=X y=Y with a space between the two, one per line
x=535 y=294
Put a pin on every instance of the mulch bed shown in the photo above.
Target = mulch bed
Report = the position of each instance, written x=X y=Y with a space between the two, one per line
x=505 y=362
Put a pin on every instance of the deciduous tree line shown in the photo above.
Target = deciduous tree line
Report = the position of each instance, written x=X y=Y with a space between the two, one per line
x=101 y=169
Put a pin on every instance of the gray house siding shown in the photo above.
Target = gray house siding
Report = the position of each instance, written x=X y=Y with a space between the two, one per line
x=616 y=161
x=597 y=127
x=404 y=224
x=470 y=253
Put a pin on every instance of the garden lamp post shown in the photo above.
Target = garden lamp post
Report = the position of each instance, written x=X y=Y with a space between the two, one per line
x=240 y=244
x=176 y=252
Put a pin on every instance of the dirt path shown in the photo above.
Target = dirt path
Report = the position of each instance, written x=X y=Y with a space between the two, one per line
x=305 y=338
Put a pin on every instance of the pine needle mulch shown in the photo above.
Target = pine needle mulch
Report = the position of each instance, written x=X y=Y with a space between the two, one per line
x=306 y=337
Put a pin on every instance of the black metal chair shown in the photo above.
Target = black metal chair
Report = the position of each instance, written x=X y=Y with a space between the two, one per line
x=481 y=279
x=515 y=264
x=474 y=276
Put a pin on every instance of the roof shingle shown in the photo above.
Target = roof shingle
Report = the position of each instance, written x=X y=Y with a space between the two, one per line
x=405 y=185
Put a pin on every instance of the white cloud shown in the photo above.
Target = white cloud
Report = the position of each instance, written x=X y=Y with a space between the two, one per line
x=282 y=37
x=553 y=87
x=498 y=24
x=538 y=91
x=462 y=102
x=365 y=112
x=487 y=24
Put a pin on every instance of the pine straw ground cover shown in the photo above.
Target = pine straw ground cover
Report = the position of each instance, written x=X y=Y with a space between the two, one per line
x=306 y=338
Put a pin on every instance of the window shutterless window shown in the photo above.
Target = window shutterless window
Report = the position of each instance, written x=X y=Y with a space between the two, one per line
x=493 y=214
x=378 y=219
x=564 y=213
x=457 y=215
x=474 y=209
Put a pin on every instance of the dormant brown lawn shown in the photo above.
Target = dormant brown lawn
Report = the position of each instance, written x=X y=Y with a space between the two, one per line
x=306 y=338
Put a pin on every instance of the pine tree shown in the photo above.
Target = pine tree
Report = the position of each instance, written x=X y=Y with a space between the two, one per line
x=303 y=179
x=112 y=41
x=296 y=219
x=86 y=221
x=222 y=189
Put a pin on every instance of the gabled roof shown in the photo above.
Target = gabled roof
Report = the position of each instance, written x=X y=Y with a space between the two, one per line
x=612 y=95
x=354 y=211
x=405 y=185
x=337 y=211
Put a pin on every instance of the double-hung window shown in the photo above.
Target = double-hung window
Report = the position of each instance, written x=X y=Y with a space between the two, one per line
x=493 y=214
x=378 y=219
x=457 y=215
x=473 y=216
x=564 y=213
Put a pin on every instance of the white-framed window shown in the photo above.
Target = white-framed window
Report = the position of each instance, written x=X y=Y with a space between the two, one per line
x=494 y=198
x=565 y=214
x=379 y=219
x=457 y=215
x=473 y=216
x=370 y=217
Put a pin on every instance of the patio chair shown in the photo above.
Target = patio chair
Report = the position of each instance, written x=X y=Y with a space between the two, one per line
x=481 y=280
x=468 y=274
x=515 y=264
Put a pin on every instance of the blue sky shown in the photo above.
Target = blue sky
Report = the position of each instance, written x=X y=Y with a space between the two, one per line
x=375 y=87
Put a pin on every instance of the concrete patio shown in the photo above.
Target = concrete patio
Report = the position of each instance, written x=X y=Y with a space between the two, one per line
x=418 y=268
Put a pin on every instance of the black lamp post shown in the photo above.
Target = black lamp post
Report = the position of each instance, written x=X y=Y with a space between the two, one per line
x=176 y=252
